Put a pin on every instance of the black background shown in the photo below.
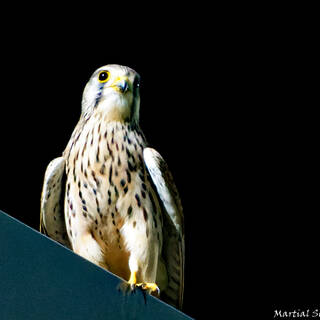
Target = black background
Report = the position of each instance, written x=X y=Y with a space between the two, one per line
x=222 y=99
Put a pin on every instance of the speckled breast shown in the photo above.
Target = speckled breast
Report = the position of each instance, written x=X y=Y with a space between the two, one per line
x=108 y=187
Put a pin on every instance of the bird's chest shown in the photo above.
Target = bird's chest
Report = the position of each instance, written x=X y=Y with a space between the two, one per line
x=107 y=185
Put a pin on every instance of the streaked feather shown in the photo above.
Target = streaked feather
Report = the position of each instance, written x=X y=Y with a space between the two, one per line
x=173 y=252
x=52 y=221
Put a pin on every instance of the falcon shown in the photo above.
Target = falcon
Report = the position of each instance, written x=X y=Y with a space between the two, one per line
x=111 y=198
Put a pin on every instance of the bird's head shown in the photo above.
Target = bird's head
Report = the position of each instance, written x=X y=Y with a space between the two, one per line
x=113 y=91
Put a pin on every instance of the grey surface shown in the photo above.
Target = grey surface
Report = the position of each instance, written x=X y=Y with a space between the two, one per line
x=40 y=279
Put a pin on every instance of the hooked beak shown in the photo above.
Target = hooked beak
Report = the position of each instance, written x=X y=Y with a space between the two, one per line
x=121 y=84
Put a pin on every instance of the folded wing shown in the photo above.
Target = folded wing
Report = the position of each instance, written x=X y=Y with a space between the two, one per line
x=52 y=221
x=173 y=252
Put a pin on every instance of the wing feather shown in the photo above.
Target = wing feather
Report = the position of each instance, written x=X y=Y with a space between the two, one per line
x=173 y=252
x=52 y=221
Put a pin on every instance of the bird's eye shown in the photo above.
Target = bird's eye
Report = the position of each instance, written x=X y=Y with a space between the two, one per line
x=103 y=76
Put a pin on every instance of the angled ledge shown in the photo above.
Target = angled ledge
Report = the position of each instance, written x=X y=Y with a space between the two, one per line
x=40 y=279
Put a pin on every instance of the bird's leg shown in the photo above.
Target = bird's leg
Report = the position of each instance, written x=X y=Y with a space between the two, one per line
x=133 y=279
x=130 y=286
x=148 y=286
x=132 y=283
x=151 y=287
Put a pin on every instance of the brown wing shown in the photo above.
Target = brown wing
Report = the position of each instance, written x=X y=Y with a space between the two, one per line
x=173 y=252
x=52 y=222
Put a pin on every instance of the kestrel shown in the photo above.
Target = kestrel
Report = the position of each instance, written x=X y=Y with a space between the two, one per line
x=110 y=198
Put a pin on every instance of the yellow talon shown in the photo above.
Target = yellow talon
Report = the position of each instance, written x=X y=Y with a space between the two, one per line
x=149 y=286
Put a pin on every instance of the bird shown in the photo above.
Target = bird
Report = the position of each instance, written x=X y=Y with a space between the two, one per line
x=111 y=198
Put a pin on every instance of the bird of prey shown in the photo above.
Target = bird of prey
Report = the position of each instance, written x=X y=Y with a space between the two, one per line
x=111 y=198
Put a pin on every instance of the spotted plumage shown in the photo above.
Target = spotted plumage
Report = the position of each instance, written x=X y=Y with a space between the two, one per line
x=121 y=207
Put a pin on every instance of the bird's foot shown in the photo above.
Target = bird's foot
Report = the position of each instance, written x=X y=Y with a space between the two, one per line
x=150 y=287
x=132 y=285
